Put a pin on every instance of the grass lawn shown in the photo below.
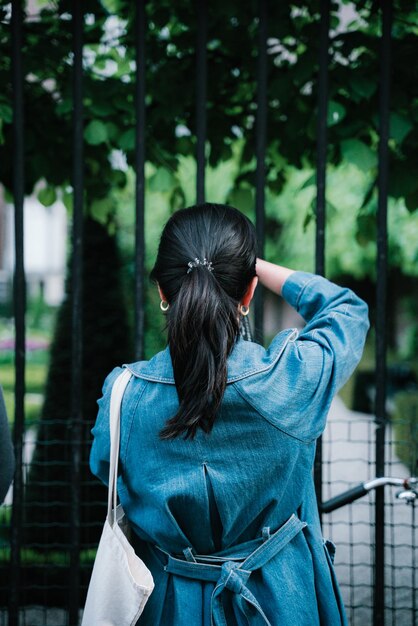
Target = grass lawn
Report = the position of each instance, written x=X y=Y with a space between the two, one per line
x=36 y=372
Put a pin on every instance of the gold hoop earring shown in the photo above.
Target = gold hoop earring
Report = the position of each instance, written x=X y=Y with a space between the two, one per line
x=164 y=306
x=244 y=310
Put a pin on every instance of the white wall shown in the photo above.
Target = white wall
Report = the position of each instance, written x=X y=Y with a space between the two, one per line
x=45 y=235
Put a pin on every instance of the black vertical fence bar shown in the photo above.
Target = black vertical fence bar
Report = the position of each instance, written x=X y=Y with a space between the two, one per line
x=19 y=306
x=140 y=19
x=260 y=176
x=77 y=303
x=381 y=299
x=201 y=83
x=321 y=168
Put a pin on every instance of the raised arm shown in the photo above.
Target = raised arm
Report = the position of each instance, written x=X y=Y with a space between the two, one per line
x=336 y=323
x=319 y=361
x=272 y=276
x=336 y=318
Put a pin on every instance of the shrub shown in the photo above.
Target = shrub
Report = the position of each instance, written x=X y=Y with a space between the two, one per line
x=405 y=425
x=106 y=343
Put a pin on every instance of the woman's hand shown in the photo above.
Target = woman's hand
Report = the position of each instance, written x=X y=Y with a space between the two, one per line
x=272 y=276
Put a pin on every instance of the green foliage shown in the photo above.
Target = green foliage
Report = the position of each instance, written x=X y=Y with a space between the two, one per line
x=405 y=425
x=290 y=217
x=96 y=132
x=109 y=90
x=350 y=224
x=47 y=196
x=35 y=376
x=30 y=557
x=33 y=402
x=356 y=152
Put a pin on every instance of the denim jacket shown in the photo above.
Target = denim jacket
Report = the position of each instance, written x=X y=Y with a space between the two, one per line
x=227 y=522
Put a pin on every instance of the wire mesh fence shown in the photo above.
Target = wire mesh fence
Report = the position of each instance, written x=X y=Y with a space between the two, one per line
x=349 y=459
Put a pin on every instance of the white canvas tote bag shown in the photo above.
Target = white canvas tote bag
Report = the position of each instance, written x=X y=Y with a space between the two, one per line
x=120 y=583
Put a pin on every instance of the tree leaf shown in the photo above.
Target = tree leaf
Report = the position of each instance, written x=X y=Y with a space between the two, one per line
x=369 y=193
x=162 y=180
x=101 y=209
x=400 y=127
x=127 y=140
x=101 y=109
x=336 y=113
x=112 y=130
x=308 y=219
x=95 y=133
x=47 y=196
x=311 y=180
x=355 y=151
x=112 y=6
x=6 y=113
x=68 y=200
x=65 y=106
x=362 y=87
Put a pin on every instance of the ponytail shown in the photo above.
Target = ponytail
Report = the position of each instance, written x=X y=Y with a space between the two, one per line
x=203 y=319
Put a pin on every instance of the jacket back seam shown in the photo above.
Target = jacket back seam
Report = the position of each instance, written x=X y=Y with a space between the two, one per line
x=292 y=336
x=124 y=452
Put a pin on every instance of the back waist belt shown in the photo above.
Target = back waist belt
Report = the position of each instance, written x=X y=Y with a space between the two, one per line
x=232 y=571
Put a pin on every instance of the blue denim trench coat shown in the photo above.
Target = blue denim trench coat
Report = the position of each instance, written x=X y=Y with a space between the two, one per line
x=227 y=522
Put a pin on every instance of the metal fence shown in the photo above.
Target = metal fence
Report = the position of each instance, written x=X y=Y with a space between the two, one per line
x=376 y=544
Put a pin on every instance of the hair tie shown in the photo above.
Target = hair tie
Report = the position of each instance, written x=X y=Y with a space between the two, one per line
x=196 y=262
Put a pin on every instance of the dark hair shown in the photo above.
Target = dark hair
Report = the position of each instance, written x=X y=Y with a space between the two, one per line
x=203 y=318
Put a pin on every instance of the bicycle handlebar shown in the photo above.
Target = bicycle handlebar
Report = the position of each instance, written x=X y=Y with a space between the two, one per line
x=360 y=490
x=344 y=498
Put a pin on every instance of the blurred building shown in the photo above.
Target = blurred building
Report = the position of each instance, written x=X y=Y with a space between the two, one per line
x=45 y=236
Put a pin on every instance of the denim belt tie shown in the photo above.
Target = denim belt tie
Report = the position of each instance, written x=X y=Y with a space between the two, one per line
x=231 y=570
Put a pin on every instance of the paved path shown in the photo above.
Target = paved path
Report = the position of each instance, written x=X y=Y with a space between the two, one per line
x=350 y=460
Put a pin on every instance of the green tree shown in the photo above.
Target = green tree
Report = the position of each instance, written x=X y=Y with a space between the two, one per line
x=231 y=107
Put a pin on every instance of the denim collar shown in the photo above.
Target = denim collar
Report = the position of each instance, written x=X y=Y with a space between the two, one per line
x=246 y=358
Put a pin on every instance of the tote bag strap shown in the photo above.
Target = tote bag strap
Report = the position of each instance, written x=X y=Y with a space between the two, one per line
x=118 y=390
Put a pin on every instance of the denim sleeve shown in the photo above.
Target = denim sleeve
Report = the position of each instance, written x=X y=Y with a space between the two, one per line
x=330 y=345
x=100 y=450
x=295 y=392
